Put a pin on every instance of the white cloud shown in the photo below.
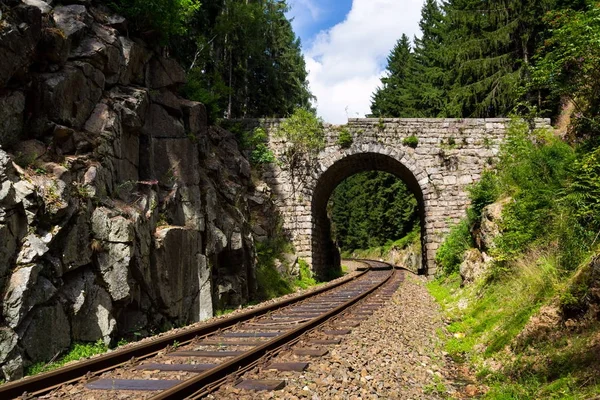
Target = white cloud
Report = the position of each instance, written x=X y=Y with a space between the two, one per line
x=346 y=62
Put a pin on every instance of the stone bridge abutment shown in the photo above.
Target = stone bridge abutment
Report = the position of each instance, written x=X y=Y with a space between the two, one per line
x=436 y=158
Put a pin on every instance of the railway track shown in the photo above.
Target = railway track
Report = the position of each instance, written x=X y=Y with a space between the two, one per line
x=194 y=363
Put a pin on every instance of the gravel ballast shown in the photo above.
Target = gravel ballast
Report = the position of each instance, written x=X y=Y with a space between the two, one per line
x=395 y=354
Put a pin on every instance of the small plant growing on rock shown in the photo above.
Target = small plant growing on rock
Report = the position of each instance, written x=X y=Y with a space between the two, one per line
x=411 y=141
x=345 y=139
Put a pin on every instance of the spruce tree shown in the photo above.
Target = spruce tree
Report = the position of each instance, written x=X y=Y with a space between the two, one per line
x=429 y=76
x=393 y=98
x=488 y=49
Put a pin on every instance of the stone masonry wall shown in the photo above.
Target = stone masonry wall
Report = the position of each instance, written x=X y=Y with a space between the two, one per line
x=450 y=155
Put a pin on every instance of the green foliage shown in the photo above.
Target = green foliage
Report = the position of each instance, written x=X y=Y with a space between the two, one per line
x=304 y=136
x=567 y=65
x=411 y=141
x=392 y=99
x=270 y=283
x=244 y=60
x=303 y=131
x=77 y=352
x=256 y=142
x=534 y=168
x=583 y=189
x=305 y=278
x=483 y=193
x=489 y=331
x=370 y=209
x=164 y=18
x=450 y=254
x=345 y=139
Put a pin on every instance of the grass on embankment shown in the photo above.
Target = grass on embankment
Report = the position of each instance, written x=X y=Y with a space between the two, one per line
x=514 y=355
x=77 y=352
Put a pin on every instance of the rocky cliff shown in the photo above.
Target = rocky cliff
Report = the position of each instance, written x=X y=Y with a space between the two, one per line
x=121 y=210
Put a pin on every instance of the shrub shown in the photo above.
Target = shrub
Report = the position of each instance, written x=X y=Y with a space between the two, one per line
x=450 y=254
x=256 y=142
x=483 y=193
x=411 y=141
x=305 y=278
x=345 y=139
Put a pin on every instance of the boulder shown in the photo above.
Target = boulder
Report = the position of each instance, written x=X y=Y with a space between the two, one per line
x=474 y=266
x=47 y=334
x=164 y=72
x=8 y=342
x=131 y=104
x=114 y=264
x=43 y=6
x=111 y=227
x=26 y=289
x=168 y=100
x=33 y=248
x=102 y=50
x=91 y=308
x=135 y=58
x=12 y=106
x=13 y=367
x=194 y=117
x=73 y=20
x=489 y=229
x=67 y=97
x=77 y=248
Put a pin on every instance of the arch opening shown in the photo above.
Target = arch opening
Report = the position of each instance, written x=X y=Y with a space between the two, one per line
x=325 y=254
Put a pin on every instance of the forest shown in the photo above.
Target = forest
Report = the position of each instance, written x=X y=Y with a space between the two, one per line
x=242 y=57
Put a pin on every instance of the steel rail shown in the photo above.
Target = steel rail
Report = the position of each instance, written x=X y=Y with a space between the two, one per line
x=191 y=387
x=43 y=383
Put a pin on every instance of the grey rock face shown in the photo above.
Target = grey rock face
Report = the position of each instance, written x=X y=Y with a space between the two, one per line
x=160 y=124
x=25 y=290
x=111 y=227
x=12 y=107
x=18 y=45
x=73 y=20
x=48 y=333
x=91 y=308
x=68 y=97
x=164 y=72
x=114 y=263
x=77 y=249
x=85 y=252
x=183 y=278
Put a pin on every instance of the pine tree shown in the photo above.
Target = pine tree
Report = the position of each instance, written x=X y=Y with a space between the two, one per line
x=393 y=98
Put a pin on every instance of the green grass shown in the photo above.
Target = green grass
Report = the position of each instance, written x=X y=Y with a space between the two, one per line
x=565 y=365
x=77 y=352
x=306 y=279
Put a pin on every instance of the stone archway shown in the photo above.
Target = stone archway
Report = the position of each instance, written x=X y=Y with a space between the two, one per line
x=437 y=158
x=336 y=166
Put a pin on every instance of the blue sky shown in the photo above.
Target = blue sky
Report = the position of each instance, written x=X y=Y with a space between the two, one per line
x=311 y=17
x=345 y=44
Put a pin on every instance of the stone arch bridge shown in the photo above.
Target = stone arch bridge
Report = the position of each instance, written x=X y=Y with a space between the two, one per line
x=449 y=155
